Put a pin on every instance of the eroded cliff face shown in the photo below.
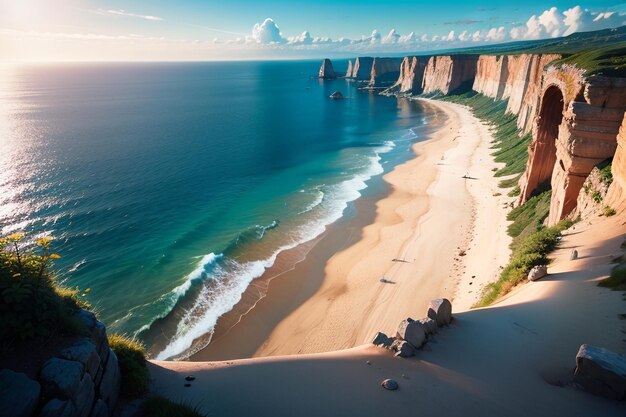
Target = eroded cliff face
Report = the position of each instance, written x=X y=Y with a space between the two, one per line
x=532 y=95
x=445 y=74
x=492 y=73
x=384 y=71
x=362 y=68
x=411 y=76
x=575 y=129
x=326 y=70
x=616 y=196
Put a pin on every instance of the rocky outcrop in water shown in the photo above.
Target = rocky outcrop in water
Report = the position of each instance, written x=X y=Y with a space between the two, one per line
x=326 y=70
x=447 y=74
x=362 y=68
x=349 y=71
x=385 y=71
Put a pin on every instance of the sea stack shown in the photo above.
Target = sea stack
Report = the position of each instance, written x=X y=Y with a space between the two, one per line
x=349 y=71
x=326 y=70
x=362 y=69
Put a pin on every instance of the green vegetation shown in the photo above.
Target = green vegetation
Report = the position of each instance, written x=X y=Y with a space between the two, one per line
x=132 y=359
x=596 y=196
x=606 y=175
x=608 y=60
x=609 y=211
x=527 y=252
x=157 y=406
x=617 y=279
x=33 y=304
x=529 y=217
x=510 y=149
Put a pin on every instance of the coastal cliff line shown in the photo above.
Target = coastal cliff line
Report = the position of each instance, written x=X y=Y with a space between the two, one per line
x=574 y=117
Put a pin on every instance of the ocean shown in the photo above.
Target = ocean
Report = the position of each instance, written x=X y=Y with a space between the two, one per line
x=170 y=187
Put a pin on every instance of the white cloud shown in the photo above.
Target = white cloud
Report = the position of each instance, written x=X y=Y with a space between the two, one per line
x=410 y=38
x=304 y=39
x=392 y=37
x=496 y=34
x=450 y=37
x=267 y=32
x=121 y=12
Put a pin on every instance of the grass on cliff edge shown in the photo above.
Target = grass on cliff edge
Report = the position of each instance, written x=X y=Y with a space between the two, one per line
x=510 y=148
x=527 y=252
x=131 y=356
x=32 y=303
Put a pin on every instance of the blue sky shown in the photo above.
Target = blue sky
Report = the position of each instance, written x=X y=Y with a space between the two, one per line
x=209 y=29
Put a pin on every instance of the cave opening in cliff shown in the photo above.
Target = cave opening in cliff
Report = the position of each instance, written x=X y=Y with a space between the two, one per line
x=544 y=156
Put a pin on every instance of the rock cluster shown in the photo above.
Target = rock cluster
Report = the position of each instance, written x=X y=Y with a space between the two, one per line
x=83 y=382
x=601 y=372
x=413 y=334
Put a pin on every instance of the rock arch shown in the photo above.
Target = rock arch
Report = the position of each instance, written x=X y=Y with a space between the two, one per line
x=543 y=147
x=592 y=110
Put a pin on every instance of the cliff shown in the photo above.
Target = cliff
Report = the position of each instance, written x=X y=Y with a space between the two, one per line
x=326 y=70
x=492 y=73
x=349 y=71
x=616 y=196
x=530 y=101
x=362 y=68
x=446 y=74
x=410 y=77
x=384 y=71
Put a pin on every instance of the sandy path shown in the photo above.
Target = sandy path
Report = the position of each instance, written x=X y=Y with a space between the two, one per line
x=508 y=360
x=427 y=220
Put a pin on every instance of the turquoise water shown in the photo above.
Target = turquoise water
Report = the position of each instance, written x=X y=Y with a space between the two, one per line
x=169 y=187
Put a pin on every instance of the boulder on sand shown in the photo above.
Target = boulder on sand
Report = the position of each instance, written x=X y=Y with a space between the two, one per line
x=412 y=332
x=402 y=348
x=429 y=325
x=382 y=340
x=389 y=384
x=573 y=255
x=601 y=372
x=440 y=310
x=538 y=272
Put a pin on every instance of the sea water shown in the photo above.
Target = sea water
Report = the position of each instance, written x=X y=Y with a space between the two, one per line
x=170 y=187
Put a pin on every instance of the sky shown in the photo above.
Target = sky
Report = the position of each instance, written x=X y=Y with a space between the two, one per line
x=172 y=30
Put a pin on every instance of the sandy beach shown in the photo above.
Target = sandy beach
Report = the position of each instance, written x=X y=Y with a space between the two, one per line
x=514 y=358
x=441 y=205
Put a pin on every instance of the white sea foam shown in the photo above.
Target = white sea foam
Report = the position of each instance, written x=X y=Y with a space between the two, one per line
x=230 y=279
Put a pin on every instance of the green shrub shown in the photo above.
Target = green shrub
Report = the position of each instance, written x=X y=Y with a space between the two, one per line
x=531 y=251
x=617 y=279
x=32 y=304
x=596 y=196
x=609 y=211
x=606 y=176
x=157 y=406
x=132 y=359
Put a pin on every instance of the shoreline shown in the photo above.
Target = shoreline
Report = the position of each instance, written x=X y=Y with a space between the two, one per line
x=320 y=306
